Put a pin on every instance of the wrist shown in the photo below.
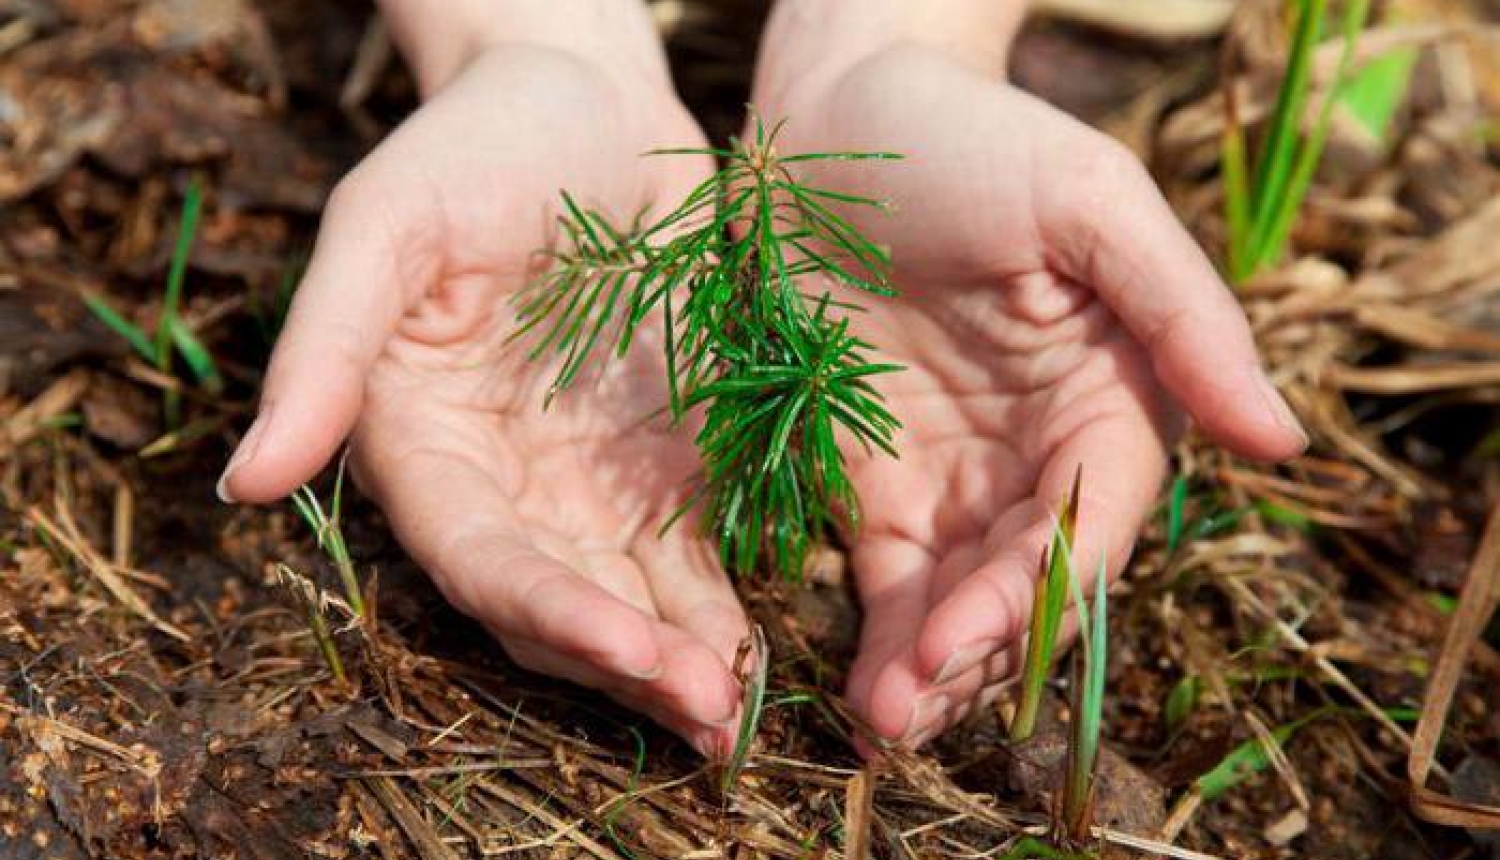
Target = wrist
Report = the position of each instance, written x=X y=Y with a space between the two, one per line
x=438 y=40
x=822 y=36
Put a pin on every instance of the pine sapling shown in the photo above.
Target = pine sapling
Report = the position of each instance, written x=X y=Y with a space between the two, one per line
x=739 y=272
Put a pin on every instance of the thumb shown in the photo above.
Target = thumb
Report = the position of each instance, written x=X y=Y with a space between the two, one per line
x=344 y=311
x=1110 y=229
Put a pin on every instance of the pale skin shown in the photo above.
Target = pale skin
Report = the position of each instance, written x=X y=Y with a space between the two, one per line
x=1053 y=314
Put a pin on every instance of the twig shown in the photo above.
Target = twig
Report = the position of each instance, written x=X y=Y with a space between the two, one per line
x=423 y=838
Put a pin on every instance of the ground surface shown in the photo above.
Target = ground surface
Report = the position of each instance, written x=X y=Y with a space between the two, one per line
x=160 y=695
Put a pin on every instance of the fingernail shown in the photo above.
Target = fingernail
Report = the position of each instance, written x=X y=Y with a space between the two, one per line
x=712 y=746
x=1277 y=405
x=648 y=674
x=730 y=722
x=243 y=454
x=927 y=709
x=963 y=659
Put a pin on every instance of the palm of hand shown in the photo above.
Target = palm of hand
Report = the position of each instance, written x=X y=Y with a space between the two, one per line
x=1011 y=385
x=541 y=525
x=1034 y=349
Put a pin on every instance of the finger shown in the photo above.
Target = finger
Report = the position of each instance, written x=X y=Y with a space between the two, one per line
x=672 y=698
x=892 y=575
x=1110 y=228
x=449 y=512
x=691 y=590
x=1123 y=461
x=965 y=693
x=454 y=520
x=368 y=259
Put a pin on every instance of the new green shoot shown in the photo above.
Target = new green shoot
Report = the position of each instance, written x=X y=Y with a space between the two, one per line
x=171 y=335
x=330 y=536
x=1261 y=205
x=1088 y=707
x=1047 y=608
x=313 y=604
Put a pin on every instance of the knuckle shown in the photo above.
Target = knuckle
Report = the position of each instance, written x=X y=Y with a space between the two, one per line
x=1111 y=164
x=356 y=192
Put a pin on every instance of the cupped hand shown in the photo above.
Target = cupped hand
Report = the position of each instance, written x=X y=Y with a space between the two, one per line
x=1053 y=314
x=541 y=525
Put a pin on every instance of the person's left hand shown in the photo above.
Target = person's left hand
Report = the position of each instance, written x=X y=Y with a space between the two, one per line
x=1050 y=302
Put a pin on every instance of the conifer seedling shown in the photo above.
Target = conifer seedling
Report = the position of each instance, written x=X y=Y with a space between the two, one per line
x=740 y=272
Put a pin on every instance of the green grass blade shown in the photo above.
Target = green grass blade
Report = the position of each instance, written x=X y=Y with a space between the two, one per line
x=1181 y=701
x=1269 y=241
x=308 y=508
x=1248 y=759
x=1176 y=502
x=1274 y=164
x=121 y=326
x=195 y=355
x=1374 y=94
x=1047 y=608
x=1098 y=662
x=337 y=515
x=752 y=704
x=1237 y=215
x=1251 y=757
x=1283 y=515
x=187 y=228
x=1088 y=716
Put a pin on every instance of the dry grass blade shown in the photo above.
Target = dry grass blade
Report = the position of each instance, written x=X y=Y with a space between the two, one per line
x=1415 y=379
x=1334 y=674
x=1271 y=747
x=58 y=398
x=1477 y=603
x=1150 y=847
x=429 y=844
x=66 y=533
x=1419 y=328
x=144 y=761
x=561 y=830
x=859 y=801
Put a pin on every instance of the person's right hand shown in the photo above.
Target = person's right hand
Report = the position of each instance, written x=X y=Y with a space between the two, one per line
x=542 y=525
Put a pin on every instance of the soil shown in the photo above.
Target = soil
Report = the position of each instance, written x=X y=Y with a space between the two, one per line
x=161 y=695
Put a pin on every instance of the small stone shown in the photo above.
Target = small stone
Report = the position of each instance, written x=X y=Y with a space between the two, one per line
x=1281 y=832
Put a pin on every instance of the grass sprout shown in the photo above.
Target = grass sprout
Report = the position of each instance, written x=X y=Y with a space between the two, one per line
x=172 y=335
x=1088 y=707
x=1033 y=848
x=1060 y=580
x=1181 y=701
x=778 y=373
x=1047 y=608
x=326 y=529
x=752 y=703
x=1262 y=204
x=314 y=603
x=1255 y=755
